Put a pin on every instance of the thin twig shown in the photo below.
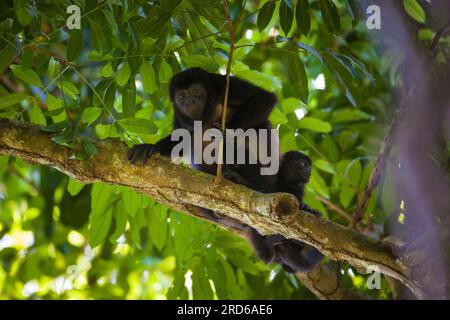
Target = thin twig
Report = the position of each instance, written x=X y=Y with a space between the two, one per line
x=382 y=159
x=438 y=37
x=334 y=207
x=232 y=29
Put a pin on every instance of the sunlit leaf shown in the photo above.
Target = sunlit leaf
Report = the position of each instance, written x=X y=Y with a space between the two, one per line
x=138 y=126
x=148 y=77
x=91 y=114
x=12 y=99
x=27 y=75
x=101 y=213
x=415 y=10
x=314 y=124
x=124 y=74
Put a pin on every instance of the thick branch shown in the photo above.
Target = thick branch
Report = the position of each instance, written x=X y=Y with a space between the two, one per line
x=182 y=188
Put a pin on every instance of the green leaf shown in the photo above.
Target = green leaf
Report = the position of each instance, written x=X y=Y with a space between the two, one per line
x=91 y=114
x=65 y=138
x=291 y=104
x=183 y=240
x=129 y=99
x=6 y=56
x=310 y=49
x=324 y=166
x=148 y=77
x=75 y=44
x=343 y=75
x=330 y=15
x=107 y=70
x=120 y=217
x=111 y=21
x=318 y=184
x=89 y=148
x=136 y=224
x=389 y=191
x=27 y=58
x=165 y=72
x=132 y=201
x=415 y=10
x=53 y=68
x=260 y=79
x=277 y=117
x=101 y=213
x=3 y=163
x=286 y=16
x=201 y=288
x=105 y=131
x=353 y=9
x=351 y=173
x=348 y=115
x=26 y=75
x=24 y=11
x=265 y=15
x=74 y=187
x=69 y=89
x=55 y=127
x=158 y=225
x=12 y=99
x=298 y=78
x=124 y=74
x=96 y=36
x=315 y=124
x=196 y=60
x=138 y=126
x=56 y=108
x=178 y=289
x=36 y=116
x=303 y=17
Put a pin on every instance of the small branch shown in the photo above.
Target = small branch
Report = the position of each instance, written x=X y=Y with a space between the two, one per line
x=382 y=159
x=180 y=187
x=437 y=38
x=334 y=207
x=323 y=281
x=232 y=29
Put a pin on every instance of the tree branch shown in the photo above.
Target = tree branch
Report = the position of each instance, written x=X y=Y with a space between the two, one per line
x=182 y=188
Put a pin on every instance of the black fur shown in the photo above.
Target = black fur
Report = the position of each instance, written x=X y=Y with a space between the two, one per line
x=249 y=107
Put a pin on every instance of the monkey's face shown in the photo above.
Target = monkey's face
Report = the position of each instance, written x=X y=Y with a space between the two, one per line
x=192 y=100
x=297 y=167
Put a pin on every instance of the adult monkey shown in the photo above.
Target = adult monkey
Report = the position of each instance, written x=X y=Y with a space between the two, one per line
x=197 y=96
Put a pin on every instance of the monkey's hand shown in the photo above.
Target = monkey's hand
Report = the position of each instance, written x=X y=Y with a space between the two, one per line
x=142 y=151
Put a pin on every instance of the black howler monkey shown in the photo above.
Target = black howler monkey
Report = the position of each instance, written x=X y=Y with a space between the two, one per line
x=198 y=96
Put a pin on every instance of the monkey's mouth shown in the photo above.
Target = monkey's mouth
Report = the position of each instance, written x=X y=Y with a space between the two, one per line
x=194 y=111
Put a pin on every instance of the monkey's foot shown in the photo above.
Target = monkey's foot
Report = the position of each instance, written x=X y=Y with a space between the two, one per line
x=141 y=151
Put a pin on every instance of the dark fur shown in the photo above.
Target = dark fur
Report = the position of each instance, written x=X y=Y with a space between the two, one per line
x=249 y=107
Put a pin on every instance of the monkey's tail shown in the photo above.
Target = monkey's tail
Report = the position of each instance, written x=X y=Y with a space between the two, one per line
x=306 y=208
